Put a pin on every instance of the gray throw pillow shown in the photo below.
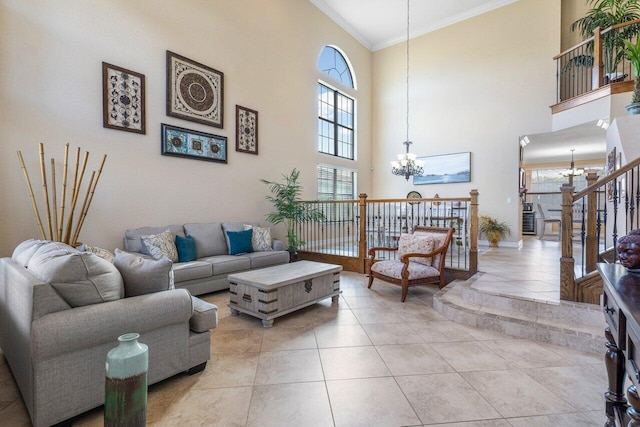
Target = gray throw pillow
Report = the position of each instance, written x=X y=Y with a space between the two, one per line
x=143 y=275
x=160 y=245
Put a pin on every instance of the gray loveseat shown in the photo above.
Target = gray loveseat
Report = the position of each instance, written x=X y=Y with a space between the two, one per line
x=62 y=310
x=209 y=272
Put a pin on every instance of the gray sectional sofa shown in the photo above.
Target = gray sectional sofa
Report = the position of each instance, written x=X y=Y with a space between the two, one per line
x=62 y=310
x=209 y=272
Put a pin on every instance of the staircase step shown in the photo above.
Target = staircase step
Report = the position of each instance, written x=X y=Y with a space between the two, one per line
x=575 y=325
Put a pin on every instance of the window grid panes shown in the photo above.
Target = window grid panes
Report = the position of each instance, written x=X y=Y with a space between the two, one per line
x=332 y=63
x=336 y=184
x=335 y=125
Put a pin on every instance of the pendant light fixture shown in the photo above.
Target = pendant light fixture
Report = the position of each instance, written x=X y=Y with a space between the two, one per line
x=407 y=165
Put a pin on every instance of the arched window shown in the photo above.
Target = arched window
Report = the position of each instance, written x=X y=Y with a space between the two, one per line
x=333 y=63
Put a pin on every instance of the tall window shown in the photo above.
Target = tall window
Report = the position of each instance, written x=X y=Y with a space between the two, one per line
x=336 y=112
x=336 y=184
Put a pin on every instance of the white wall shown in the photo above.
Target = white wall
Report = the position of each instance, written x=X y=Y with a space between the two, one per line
x=50 y=91
x=475 y=86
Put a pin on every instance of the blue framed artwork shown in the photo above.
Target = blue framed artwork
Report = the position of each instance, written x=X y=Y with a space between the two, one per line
x=445 y=169
x=193 y=144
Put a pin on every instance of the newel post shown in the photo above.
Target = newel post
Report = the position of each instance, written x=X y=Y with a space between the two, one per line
x=567 y=275
x=362 y=241
x=591 y=242
x=597 y=75
x=473 y=232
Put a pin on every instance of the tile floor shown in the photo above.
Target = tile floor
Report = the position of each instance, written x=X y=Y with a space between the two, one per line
x=370 y=360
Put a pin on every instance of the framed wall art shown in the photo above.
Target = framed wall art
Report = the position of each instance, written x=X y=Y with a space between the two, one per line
x=246 y=130
x=194 y=91
x=193 y=144
x=445 y=169
x=611 y=168
x=122 y=99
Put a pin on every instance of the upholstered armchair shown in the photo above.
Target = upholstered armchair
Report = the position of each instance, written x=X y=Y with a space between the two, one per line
x=420 y=260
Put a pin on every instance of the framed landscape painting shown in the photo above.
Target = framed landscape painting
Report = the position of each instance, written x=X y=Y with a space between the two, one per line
x=193 y=144
x=445 y=169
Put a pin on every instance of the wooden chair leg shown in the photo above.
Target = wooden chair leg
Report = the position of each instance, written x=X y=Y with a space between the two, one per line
x=405 y=290
x=370 y=280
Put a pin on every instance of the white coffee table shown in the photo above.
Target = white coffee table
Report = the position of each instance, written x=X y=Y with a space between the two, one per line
x=272 y=292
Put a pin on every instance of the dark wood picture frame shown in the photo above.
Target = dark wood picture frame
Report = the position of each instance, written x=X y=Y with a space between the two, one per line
x=181 y=142
x=195 y=92
x=246 y=130
x=123 y=97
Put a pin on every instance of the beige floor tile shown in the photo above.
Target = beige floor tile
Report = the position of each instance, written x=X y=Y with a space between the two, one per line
x=8 y=389
x=366 y=302
x=370 y=402
x=470 y=356
x=441 y=331
x=485 y=334
x=413 y=359
x=341 y=336
x=487 y=423
x=15 y=414
x=575 y=356
x=514 y=394
x=334 y=316
x=228 y=370
x=288 y=339
x=576 y=419
x=301 y=404
x=430 y=396
x=226 y=407
x=278 y=367
x=236 y=341
x=523 y=353
x=418 y=313
x=569 y=383
x=391 y=333
x=352 y=362
x=375 y=315
x=228 y=322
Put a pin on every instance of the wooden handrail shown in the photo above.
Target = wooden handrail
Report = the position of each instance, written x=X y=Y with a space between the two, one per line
x=585 y=41
x=620 y=25
x=602 y=181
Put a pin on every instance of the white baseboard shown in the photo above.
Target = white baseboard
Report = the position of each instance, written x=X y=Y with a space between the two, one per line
x=517 y=245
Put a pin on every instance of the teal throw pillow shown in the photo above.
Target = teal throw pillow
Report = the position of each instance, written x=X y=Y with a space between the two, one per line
x=240 y=242
x=186 y=248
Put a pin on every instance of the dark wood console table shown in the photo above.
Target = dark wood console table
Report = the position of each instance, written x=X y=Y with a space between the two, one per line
x=621 y=307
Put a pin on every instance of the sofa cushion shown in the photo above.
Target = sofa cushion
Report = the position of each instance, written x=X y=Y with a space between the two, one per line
x=239 y=241
x=143 y=275
x=261 y=238
x=209 y=238
x=160 y=245
x=186 y=247
x=205 y=315
x=225 y=264
x=415 y=244
x=235 y=226
x=267 y=258
x=192 y=270
x=132 y=237
x=25 y=250
x=80 y=278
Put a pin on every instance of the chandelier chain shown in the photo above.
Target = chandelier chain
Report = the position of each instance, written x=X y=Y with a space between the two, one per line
x=407 y=55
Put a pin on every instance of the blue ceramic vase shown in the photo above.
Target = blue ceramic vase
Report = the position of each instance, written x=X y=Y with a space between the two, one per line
x=125 y=397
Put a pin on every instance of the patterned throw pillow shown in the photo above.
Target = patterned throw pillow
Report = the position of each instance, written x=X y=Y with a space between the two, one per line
x=415 y=243
x=261 y=239
x=102 y=253
x=160 y=245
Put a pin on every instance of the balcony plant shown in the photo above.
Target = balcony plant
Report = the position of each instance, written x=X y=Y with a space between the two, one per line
x=603 y=14
x=632 y=51
x=289 y=209
x=493 y=229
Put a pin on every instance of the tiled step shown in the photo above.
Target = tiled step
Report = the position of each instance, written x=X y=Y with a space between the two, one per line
x=576 y=325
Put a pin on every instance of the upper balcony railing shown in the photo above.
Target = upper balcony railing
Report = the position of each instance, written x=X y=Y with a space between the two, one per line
x=597 y=62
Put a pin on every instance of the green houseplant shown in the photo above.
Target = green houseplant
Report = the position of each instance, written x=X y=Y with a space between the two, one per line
x=493 y=229
x=289 y=209
x=632 y=51
x=603 y=14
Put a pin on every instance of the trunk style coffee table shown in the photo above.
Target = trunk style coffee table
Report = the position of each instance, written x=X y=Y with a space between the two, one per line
x=271 y=292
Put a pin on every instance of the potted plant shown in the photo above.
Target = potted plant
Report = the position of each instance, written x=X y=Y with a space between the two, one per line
x=632 y=52
x=494 y=230
x=604 y=14
x=289 y=209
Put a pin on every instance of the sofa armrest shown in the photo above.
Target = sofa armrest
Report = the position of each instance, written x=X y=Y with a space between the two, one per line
x=96 y=324
x=278 y=245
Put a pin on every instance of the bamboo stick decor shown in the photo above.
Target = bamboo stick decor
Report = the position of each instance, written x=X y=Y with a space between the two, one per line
x=59 y=227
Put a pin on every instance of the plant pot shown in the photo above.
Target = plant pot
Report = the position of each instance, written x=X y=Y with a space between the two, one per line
x=493 y=243
x=494 y=238
x=633 y=108
x=293 y=256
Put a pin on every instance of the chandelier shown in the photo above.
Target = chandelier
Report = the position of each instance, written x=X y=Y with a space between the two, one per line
x=572 y=171
x=407 y=165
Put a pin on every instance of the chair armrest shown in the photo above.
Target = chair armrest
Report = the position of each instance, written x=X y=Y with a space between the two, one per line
x=372 y=251
x=405 y=258
x=92 y=325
